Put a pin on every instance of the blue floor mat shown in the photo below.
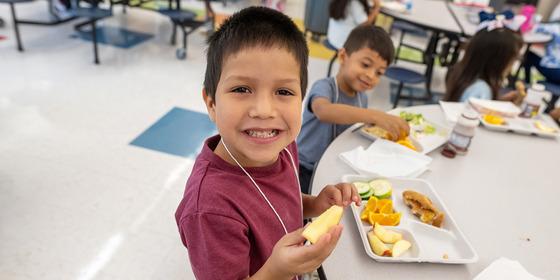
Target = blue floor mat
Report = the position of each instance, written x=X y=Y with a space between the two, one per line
x=115 y=36
x=180 y=132
x=413 y=91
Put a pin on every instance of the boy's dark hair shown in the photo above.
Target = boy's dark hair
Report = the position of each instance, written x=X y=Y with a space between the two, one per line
x=486 y=57
x=337 y=8
x=252 y=27
x=373 y=37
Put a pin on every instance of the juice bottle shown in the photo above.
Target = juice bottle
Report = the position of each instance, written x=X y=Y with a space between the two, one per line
x=462 y=134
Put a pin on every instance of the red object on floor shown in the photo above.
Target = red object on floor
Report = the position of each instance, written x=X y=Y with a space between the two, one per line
x=2 y=37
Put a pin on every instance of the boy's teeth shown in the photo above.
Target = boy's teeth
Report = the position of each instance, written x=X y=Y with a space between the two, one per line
x=262 y=134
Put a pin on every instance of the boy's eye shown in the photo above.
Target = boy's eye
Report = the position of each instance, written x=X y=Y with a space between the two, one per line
x=380 y=73
x=241 y=90
x=284 y=92
x=365 y=65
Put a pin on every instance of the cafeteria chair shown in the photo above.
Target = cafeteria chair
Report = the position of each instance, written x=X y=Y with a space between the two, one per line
x=93 y=13
x=186 y=21
x=405 y=27
x=403 y=75
x=554 y=89
x=17 y=21
x=329 y=46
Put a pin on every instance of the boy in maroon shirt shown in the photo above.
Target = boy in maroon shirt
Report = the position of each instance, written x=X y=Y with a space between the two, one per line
x=241 y=215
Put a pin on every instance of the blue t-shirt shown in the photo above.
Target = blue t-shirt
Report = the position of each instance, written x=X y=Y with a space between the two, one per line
x=552 y=55
x=315 y=135
x=479 y=89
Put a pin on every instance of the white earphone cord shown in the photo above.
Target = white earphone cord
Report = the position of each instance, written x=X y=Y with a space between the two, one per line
x=258 y=188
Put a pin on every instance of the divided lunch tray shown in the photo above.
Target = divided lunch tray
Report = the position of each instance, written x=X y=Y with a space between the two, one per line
x=429 y=243
x=423 y=142
x=523 y=125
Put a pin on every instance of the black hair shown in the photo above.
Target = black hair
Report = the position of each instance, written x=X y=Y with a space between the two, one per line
x=337 y=8
x=486 y=57
x=373 y=37
x=251 y=27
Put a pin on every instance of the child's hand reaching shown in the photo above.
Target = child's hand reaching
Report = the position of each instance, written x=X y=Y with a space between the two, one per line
x=290 y=257
x=393 y=125
x=341 y=194
x=513 y=96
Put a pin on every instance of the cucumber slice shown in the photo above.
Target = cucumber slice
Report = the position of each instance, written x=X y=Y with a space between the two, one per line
x=363 y=187
x=367 y=195
x=381 y=188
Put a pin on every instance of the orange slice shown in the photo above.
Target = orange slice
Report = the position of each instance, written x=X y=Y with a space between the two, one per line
x=371 y=204
x=493 y=119
x=365 y=215
x=392 y=219
x=384 y=206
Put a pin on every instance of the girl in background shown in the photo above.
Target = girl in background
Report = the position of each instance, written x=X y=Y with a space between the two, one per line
x=345 y=15
x=488 y=59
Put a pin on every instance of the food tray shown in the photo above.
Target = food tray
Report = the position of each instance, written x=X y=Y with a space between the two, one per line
x=366 y=134
x=425 y=143
x=429 y=243
x=523 y=125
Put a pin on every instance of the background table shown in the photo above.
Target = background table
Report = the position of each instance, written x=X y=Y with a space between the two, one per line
x=432 y=15
x=503 y=195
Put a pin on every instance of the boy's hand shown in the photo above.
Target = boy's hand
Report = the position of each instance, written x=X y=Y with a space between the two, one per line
x=393 y=125
x=341 y=194
x=290 y=257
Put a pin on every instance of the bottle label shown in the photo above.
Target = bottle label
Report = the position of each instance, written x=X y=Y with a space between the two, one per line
x=459 y=142
x=528 y=110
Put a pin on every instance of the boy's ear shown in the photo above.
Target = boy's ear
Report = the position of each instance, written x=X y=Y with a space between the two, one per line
x=342 y=55
x=210 y=106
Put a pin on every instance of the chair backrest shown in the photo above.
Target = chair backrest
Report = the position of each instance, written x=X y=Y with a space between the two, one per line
x=316 y=18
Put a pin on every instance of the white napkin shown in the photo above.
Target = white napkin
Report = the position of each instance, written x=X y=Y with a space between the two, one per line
x=387 y=159
x=504 y=268
x=452 y=110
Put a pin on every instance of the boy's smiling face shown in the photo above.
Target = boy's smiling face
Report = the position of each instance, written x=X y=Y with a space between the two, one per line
x=258 y=105
x=361 y=70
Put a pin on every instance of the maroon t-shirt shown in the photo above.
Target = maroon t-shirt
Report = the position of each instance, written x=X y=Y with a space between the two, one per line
x=224 y=221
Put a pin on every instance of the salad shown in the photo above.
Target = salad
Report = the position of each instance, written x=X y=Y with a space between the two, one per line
x=418 y=124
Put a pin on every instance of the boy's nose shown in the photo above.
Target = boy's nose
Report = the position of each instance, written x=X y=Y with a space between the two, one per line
x=263 y=106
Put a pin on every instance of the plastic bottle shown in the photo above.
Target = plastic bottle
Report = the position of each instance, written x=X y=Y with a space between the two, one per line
x=528 y=12
x=532 y=102
x=462 y=134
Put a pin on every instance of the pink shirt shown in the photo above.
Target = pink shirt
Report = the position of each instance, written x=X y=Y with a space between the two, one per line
x=226 y=224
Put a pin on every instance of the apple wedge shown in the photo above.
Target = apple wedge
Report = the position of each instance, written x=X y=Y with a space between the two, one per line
x=385 y=235
x=400 y=247
x=323 y=223
x=377 y=246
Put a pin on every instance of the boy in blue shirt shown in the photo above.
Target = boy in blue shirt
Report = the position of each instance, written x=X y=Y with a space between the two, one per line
x=334 y=104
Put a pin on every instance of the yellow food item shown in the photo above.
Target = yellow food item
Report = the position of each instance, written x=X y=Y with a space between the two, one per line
x=545 y=128
x=493 y=119
x=385 y=206
x=323 y=223
x=377 y=246
x=391 y=219
x=403 y=140
x=380 y=211
x=371 y=204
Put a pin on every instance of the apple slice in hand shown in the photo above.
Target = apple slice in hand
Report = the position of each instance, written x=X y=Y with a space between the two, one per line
x=377 y=246
x=387 y=236
x=323 y=223
x=400 y=247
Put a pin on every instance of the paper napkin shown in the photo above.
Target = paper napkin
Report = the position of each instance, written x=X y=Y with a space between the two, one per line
x=387 y=159
x=504 y=268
